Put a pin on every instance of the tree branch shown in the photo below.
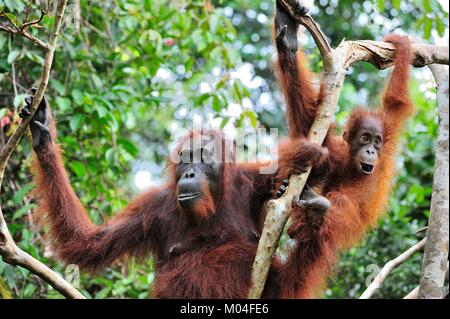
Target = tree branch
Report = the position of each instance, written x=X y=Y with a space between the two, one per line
x=8 y=249
x=381 y=54
x=389 y=267
x=336 y=63
x=22 y=30
x=27 y=24
x=25 y=34
x=13 y=255
x=434 y=262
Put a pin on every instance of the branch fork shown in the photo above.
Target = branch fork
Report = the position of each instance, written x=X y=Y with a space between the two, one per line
x=22 y=29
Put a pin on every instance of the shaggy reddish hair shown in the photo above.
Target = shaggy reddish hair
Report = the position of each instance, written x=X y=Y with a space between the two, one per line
x=356 y=202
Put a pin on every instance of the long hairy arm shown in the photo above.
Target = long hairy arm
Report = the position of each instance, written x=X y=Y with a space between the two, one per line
x=133 y=232
x=293 y=75
x=397 y=103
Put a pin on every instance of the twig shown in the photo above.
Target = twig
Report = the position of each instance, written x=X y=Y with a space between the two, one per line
x=15 y=256
x=77 y=15
x=435 y=258
x=308 y=22
x=389 y=267
x=414 y=294
x=25 y=34
x=27 y=24
x=9 y=20
x=22 y=31
x=8 y=249
x=13 y=69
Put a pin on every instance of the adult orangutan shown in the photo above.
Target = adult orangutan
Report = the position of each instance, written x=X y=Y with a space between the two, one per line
x=355 y=172
x=200 y=226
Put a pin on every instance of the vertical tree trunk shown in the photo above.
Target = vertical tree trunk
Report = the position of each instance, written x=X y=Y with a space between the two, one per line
x=434 y=264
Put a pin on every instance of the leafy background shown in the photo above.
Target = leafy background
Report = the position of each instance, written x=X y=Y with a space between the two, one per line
x=134 y=74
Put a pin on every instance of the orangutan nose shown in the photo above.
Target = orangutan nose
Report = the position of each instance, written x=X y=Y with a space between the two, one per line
x=189 y=173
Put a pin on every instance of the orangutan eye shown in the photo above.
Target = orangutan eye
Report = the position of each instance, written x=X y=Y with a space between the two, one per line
x=365 y=138
x=378 y=140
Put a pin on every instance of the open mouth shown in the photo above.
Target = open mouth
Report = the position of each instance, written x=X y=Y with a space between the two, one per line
x=189 y=196
x=366 y=168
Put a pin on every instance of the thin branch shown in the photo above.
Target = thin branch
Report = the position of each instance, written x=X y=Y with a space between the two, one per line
x=77 y=15
x=25 y=34
x=435 y=258
x=9 y=20
x=22 y=30
x=308 y=22
x=27 y=24
x=13 y=255
x=414 y=294
x=8 y=249
x=319 y=37
x=13 y=69
x=389 y=267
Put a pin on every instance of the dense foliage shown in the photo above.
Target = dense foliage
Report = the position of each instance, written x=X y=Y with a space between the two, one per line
x=130 y=75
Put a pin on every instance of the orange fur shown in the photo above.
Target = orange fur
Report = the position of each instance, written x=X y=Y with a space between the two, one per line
x=357 y=202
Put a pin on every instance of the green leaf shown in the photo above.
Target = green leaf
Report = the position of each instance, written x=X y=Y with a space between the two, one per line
x=5 y=293
x=58 y=86
x=427 y=6
x=427 y=28
x=75 y=121
x=19 y=100
x=440 y=26
x=214 y=21
x=3 y=112
x=129 y=147
x=11 y=17
x=252 y=116
x=79 y=168
x=63 y=103
x=35 y=57
x=202 y=98
x=396 y=4
x=237 y=91
x=22 y=211
x=12 y=56
x=77 y=96
x=20 y=194
x=97 y=81
x=102 y=294
x=216 y=104
x=420 y=22
x=110 y=155
x=224 y=122
x=381 y=5
x=102 y=111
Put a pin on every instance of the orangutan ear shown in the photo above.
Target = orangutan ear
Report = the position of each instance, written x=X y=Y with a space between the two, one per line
x=345 y=136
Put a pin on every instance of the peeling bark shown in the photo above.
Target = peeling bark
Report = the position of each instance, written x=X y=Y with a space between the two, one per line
x=434 y=264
